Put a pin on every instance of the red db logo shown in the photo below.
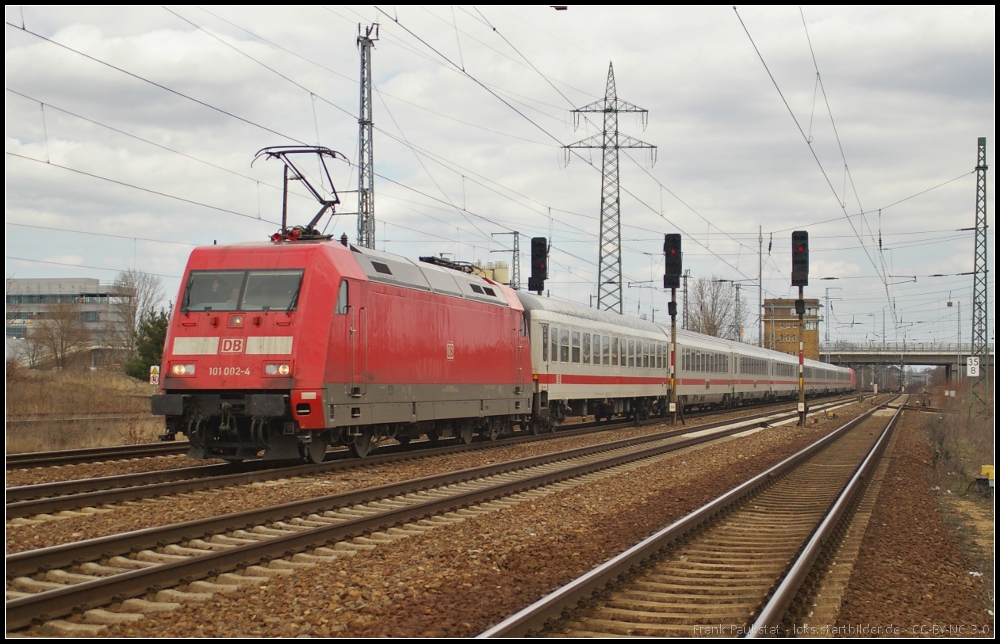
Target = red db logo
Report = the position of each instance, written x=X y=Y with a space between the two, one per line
x=233 y=345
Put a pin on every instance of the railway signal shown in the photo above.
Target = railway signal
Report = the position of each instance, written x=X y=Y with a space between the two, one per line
x=800 y=258
x=673 y=259
x=800 y=278
x=672 y=273
x=539 y=264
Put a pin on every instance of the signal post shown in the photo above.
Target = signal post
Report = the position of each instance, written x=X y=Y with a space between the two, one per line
x=800 y=278
x=673 y=260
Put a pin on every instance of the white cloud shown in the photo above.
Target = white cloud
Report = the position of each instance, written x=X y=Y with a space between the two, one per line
x=910 y=88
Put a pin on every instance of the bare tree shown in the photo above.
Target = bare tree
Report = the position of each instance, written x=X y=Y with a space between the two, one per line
x=136 y=294
x=713 y=309
x=62 y=335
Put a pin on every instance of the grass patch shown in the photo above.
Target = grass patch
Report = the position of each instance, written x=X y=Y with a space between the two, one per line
x=56 y=410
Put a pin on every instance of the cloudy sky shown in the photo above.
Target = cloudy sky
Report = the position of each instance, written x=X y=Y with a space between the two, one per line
x=130 y=134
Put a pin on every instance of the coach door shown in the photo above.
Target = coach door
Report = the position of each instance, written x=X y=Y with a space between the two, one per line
x=520 y=336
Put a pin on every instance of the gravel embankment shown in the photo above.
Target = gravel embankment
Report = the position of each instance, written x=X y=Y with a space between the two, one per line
x=458 y=581
x=911 y=575
x=197 y=505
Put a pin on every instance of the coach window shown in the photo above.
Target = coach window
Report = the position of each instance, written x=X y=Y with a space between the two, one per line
x=524 y=325
x=606 y=350
x=564 y=346
x=555 y=344
x=614 y=351
x=545 y=343
x=576 y=347
x=586 y=348
x=342 y=298
x=631 y=353
x=645 y=355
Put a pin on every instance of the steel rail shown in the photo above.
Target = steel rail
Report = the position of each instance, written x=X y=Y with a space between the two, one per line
x=534 y=617
x=30 y=561
x=119 y=452
x=56 y=603
x=47 y=498
x=769 y=619
x=92 y=454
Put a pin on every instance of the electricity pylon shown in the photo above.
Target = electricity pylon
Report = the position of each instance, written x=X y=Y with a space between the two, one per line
x=609 y=286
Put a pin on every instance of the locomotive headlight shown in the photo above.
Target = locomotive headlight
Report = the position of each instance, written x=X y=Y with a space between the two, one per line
x=277 y=369
x=182 y=370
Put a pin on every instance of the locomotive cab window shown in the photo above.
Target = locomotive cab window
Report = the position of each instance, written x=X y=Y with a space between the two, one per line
x=213 y=290
x=272 y=290
x=242 y=290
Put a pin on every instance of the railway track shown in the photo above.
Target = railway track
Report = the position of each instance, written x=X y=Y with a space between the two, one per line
x=171 y=448
x=730 y=568
x=94 y=454
x=50 y=583
x=67 y=496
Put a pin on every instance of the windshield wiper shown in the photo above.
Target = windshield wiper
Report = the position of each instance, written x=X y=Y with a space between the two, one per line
x=295 y=299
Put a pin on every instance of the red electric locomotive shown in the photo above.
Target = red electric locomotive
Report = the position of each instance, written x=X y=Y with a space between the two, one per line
x=277 y=350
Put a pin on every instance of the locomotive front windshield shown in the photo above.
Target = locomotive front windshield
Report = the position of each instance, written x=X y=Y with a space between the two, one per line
x=243 y=290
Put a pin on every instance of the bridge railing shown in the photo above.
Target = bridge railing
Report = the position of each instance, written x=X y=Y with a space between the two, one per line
x=965 y=348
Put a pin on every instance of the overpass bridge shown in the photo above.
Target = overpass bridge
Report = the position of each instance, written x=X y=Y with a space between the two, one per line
x=952 y=356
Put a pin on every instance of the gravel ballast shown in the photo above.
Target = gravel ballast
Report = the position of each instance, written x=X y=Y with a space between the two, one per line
x=69 y=527
x=911 y=577
x=457 y=581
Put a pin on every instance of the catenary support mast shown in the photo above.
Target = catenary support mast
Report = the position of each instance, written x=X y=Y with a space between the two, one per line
x=366 y=155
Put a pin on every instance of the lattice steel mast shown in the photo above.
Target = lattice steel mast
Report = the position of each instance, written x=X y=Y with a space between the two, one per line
x=979 y=404
x=366 y=157
x=609 y=286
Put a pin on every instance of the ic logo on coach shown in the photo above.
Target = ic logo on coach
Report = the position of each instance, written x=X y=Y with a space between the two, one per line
x=233 y=345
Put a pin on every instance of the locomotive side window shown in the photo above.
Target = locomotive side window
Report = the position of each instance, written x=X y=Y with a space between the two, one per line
x=342 y=298
x=576 y=347
x=586 y=348
x=545 y=343
x=564 y=346
x=606 y=348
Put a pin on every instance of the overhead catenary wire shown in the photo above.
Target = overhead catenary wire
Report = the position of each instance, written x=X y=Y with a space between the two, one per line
x=149 y=190
x=881 y=274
